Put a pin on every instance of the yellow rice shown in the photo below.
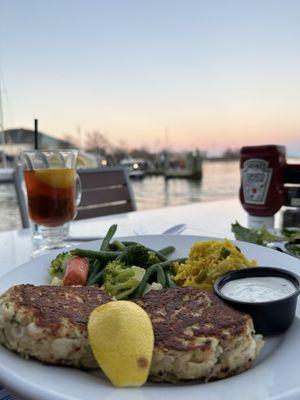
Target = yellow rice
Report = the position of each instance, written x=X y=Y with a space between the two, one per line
x=207 y=261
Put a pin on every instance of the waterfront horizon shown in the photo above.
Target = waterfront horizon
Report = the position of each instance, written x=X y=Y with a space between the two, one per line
x=220 y=180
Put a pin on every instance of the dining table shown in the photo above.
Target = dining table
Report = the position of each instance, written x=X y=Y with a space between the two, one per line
x=209 y=219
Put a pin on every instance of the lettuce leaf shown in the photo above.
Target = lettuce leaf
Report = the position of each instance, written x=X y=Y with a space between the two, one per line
x=255 y=235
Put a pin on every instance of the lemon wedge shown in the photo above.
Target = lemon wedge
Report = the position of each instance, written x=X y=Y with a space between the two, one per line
x=57 y=178
x=122 y=340
x=81 y=162
x=55 y=161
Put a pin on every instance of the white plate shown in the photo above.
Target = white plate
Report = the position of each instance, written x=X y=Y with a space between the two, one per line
x=275 y=375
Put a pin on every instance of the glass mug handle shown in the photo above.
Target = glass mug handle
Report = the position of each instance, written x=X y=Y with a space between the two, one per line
x=78 y=194
x=78 y=190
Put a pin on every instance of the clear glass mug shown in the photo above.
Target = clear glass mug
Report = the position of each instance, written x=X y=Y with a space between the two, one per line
x=53 y=192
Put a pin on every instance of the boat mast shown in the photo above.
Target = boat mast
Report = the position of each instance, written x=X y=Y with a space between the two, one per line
x=2 y=135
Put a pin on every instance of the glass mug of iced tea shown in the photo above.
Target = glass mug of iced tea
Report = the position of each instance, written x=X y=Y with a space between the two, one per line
x=53 y=192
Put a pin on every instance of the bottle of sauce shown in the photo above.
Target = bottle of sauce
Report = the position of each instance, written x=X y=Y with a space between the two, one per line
x=262 y=183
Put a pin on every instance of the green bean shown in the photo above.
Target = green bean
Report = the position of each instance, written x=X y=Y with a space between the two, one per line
x=108 y=237
x=116 y=245
x=126 y=243
x=160 y=256
x=149 y=272
x=97 y=279
x=96 y=265
x=168 y=264
x=93 y=270
x=104 y=256
x=166 y=251
x=161 y=276
x=123 y=254
x=170 y=282
x=155 y=268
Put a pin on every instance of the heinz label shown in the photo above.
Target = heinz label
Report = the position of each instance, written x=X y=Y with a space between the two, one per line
x=256 y=177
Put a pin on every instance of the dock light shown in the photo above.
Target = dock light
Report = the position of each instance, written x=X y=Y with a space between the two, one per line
x=135 y=166
x=104 y=163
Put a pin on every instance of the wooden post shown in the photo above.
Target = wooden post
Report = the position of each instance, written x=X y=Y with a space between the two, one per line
x=36 y=135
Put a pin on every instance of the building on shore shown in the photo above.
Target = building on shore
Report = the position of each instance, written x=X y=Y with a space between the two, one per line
x=20 y=139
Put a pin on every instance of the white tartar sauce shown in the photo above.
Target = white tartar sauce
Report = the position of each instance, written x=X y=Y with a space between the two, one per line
x=258 y=289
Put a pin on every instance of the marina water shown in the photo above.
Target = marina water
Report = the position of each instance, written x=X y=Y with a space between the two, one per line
x=220 y=180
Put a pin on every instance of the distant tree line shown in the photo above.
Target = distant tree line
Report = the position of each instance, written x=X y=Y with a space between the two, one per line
x=96 y=142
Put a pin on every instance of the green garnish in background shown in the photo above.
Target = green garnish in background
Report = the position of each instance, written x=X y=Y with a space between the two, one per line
x=262 y=236
x=255 y=235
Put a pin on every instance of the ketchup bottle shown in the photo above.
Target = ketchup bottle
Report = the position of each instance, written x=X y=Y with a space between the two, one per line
x=262 y=183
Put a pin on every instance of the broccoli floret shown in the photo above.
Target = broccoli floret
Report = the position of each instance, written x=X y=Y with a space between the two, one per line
x=120 y=281
x=56 y=281
x=135 y=254
x=58 y=265
x=152 y=258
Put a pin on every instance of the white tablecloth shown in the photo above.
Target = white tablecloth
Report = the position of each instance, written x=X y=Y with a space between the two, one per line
x=205 y=219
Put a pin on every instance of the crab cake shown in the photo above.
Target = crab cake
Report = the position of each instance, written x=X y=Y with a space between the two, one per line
x=49 y=322
x=197 y=336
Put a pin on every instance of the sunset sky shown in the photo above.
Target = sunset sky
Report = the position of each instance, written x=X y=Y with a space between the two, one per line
x=209 y=74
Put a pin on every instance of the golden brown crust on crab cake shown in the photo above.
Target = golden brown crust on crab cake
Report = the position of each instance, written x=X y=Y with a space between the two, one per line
x=51 y=304
x=50 y=322
x=197 y=336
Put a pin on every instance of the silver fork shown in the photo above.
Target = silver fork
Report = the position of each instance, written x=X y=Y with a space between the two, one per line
x=173 y=230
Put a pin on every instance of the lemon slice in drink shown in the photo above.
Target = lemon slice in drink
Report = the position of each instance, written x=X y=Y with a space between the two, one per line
x=57 y=178
x=56 y=161
x=81 y=162
x=121 y=337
